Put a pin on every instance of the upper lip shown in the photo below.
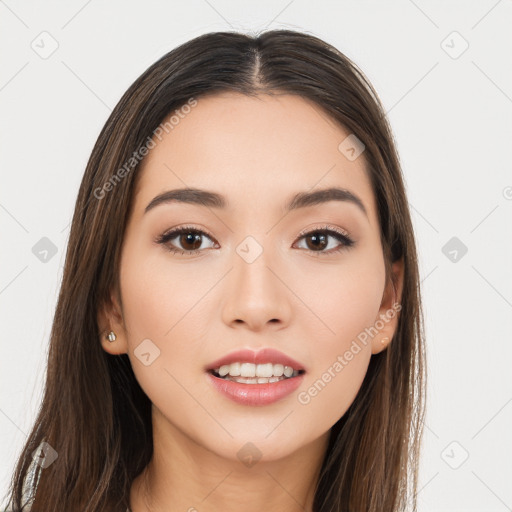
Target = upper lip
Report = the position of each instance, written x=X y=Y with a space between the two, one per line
x=266 y=355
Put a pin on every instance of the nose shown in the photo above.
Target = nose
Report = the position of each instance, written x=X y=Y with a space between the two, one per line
x=255 y=294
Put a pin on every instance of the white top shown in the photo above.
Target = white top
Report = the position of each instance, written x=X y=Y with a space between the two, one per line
x=30 y=485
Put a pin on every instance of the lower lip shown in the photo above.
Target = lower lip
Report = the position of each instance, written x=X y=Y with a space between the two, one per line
x=256 y=394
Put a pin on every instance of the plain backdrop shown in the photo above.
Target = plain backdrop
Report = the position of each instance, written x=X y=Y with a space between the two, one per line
x=444 y=74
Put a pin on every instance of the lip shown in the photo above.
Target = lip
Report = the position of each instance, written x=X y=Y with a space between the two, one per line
x=255 y=394
x=266 y=355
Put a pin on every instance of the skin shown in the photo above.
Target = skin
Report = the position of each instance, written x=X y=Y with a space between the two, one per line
x=258 y=152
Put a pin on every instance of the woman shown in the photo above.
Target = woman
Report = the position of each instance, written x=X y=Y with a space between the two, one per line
x=239 y=323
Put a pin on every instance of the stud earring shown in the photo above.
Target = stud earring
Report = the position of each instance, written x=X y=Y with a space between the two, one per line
x=384 y=340
x=111 y=336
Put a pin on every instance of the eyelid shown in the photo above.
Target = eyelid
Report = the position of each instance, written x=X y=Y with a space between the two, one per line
x=325 y=227
x=186 y=227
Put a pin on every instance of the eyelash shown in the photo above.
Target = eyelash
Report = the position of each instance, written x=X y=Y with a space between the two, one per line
x=347 y=242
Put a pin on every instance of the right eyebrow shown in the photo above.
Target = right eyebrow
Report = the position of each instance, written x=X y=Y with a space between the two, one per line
x=190 y=196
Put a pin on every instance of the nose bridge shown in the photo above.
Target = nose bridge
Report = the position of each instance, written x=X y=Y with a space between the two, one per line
x=255 y=295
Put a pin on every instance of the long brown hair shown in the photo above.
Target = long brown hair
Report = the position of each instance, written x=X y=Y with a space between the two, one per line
x=95 y=415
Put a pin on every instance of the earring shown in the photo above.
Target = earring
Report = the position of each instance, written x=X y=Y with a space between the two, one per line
x=111 y=336
x=384 y=340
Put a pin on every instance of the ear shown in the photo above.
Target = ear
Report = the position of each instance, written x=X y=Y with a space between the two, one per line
x=110 y=318
x=389 y=311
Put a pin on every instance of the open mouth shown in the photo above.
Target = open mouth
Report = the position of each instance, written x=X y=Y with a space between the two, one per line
x=276 y=375
x=262 y=382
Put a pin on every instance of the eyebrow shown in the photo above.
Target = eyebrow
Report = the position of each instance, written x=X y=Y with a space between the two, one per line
x=214 y=200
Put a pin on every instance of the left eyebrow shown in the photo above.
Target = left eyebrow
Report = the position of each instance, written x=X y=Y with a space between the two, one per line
x=214 y=200
x=305 y=199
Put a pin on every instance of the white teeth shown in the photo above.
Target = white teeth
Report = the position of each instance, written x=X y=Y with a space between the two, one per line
x=278 y=370
x=250 y=370
x=254 y=380
x=234 y=369
x=264 y=370
x=223 y=370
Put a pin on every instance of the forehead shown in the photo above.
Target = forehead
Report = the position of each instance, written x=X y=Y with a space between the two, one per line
x=254 y=149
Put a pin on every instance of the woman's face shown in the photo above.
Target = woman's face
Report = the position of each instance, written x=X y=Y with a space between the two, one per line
x=253 y=280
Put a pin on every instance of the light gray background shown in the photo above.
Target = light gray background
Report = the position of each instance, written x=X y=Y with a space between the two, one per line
x=451 y=115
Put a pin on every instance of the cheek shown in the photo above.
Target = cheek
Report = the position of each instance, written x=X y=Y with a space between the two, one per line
x=346 y=299
x=159 y=294
x=163 y=302
x=331 y=388
x=343 y=297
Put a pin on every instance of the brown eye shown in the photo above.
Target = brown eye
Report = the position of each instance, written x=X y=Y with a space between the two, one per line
x=318 y=240
x=190 y=241
x=187 y=240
